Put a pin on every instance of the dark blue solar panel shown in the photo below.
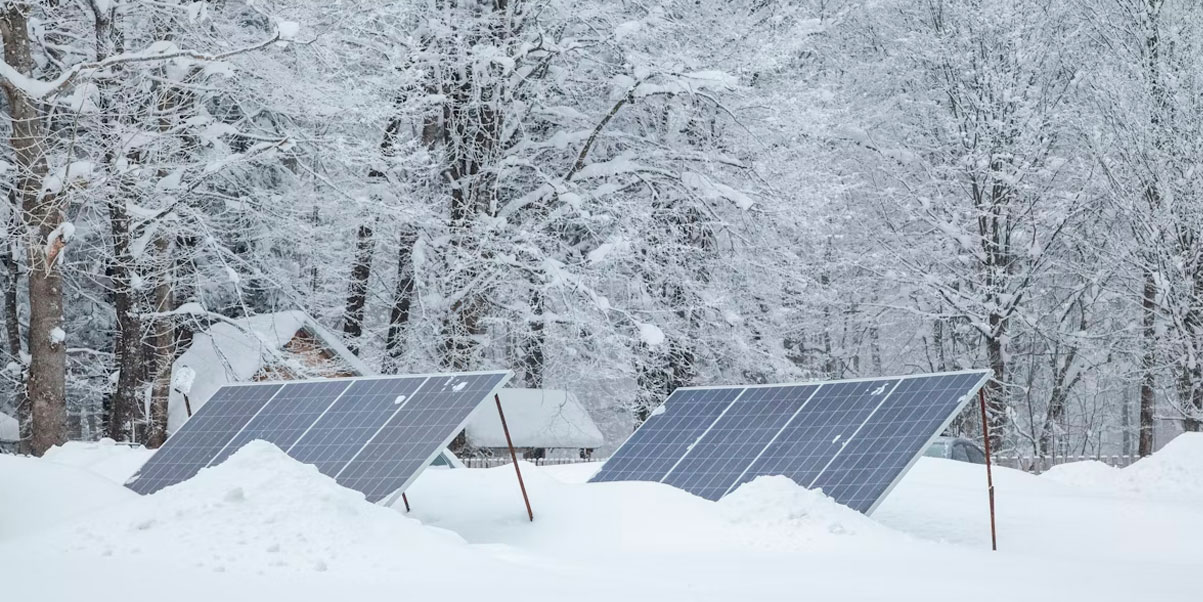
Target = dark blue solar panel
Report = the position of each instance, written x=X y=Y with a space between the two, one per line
x=423 y=424
x=287 y=417
x=666 y=436
x=897 y=433
x=820 y=431
x=737 y=438
x=350 y=423
x=202 y=437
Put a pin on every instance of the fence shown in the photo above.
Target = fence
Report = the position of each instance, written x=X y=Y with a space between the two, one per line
x=502 y=461
x=1040 y=464
x=1026 y=463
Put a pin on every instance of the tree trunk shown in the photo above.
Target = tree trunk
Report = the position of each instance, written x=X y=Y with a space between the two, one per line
x=1148 y=364
x=12 y=277
x=357 y=297
x=45 y=386
x=130 y=357
x=12 y=324
x=533 y=355
x=398 y=319
x=996 y=402
x=164 y=344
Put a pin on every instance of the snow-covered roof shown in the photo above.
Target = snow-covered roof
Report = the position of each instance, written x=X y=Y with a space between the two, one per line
x=536 y=418
x=10 y=429
x=235 y=351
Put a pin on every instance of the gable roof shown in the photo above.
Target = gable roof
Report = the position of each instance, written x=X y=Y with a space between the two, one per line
x=536 y=418
x=236 y=350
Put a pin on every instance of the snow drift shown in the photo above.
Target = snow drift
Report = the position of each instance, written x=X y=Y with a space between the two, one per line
x=262 y=511
x=36 y=495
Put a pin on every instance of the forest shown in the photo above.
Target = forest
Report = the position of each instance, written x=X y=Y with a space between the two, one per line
x=617 y=198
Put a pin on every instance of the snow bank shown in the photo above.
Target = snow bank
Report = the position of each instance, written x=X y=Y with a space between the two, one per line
x=618 y=519
x=1176 y=468
x=262 y=511
x=36 y=495
x=1090 y=473
x=114 y=462
x=776 y=510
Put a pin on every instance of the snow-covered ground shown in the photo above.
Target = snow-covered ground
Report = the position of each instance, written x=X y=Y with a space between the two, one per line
x=263 y=527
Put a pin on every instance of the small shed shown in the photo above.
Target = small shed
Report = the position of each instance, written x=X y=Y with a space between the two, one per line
x=543 y=423
x=10 y=433
x=288 y=345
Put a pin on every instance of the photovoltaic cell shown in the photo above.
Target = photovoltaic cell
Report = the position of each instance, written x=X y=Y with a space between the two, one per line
x=854 y=439
x=351 y=422
x=664 y=439
x=718 y=459
x=213 y=426
x=287 y=417
x=893 y=437
x=424 y=424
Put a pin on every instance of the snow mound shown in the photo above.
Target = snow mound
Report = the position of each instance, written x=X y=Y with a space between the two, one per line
x=1176 y=468
x=1090 y=473
x=262 y=511
x=36 y=495
x=777 y=505
x=106 y=458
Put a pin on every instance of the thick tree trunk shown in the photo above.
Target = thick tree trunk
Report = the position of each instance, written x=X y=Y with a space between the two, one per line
x=45 y=387
x=164 y=344
x=996 y=401
x=398 y=319
x=1148 y=364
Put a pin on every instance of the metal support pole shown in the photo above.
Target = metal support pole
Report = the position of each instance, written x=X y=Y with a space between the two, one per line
x=981 y=396
x=406 y=500
x=514 y=457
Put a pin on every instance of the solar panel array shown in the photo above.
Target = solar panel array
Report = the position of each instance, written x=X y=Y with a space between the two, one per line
x=854 y=439
x=374 y=435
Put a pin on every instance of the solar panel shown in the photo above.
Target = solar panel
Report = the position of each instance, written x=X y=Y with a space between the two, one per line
x=291 y=412
x=818 y=433
x=423 y=424
x=894 y=437
x=719 y=457
x=374 y=435
x=207 y=433
x=346 y=427
x=854 y=439
x=660 y=443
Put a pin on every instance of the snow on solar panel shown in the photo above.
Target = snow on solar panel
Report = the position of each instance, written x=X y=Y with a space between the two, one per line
x=374 y=435
x=205 y=435
x=854 y=438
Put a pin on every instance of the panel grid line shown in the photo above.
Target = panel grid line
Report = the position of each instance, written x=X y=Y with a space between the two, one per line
x=703 y=435
x=739 y=480
x=248 y=422
x=382 y=425
x=845 y=442
x=319 y=417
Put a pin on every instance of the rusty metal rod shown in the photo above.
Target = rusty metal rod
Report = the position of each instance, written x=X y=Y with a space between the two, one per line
x=513 y=456
x=981 y=396
x=406 y=500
